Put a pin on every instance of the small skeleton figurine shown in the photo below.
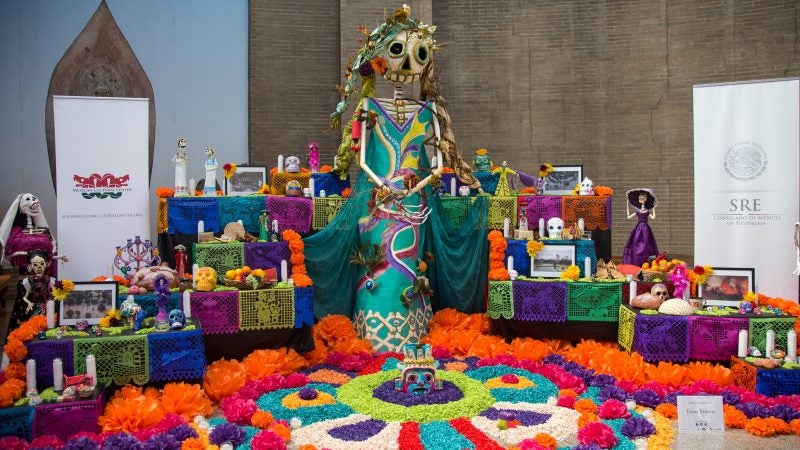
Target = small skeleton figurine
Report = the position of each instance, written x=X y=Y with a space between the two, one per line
x=25 y=228
x=37 y=287
x=180 y=161
x=210 y=187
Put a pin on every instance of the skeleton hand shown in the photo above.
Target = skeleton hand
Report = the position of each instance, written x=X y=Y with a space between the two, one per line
x=29 y=308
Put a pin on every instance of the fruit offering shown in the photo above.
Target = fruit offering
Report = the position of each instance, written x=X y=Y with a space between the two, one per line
x=662 y=263
x=242 y=274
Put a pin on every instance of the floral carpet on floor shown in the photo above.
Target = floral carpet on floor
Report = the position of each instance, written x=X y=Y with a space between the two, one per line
x=526 y=394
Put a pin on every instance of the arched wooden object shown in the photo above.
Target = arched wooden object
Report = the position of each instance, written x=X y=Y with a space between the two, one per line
x=99 y=63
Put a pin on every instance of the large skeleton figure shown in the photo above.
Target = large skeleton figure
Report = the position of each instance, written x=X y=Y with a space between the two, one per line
x=390 y=136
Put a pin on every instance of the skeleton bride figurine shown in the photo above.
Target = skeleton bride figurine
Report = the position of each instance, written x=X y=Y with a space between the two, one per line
x=180 y=161
x=392 y=305
x=210 y=186
x=641 y=243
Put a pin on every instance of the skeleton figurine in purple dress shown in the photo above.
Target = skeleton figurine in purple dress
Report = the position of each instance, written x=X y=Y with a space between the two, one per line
x=641 y=243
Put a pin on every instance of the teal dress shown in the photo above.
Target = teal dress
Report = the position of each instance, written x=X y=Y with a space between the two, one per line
x=395 y=152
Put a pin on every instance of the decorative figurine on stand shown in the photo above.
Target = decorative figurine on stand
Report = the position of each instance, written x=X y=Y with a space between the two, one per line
x=418 y=371
x=130 y=310
x=641 y=243
x=180 y=160
x=389 y=135
x=181 y=260
x=24 y=228
x=263 y=226
x=210 y=186
x=162 y=299
x=680 y=281
x=482 y=162
x=38 y=286
x=135 y=255
x=503 y=184
x=313 y=157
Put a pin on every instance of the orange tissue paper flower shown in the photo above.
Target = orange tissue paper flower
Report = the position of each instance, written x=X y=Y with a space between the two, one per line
x=545 y=440
x=585 y=405
x=488 y=346
x=326 y=168
x=224 y=378
x=766 y=427
x=334 y=327
x=449 y=319
x=301 y=280
x=699 y=370
x=262 y=419
x=733 y=417
x=262 y=363
x=15 y=350
x=666 y=373
x=603 y=190
x=352 y=346
x=193 y=444
x=794 y=426
x=16 y=370
x=319 y=354
x=184 y=399
x=527 y=348
x=130 y=414
x=165 y=192
x=346 y=192
x=669 y=410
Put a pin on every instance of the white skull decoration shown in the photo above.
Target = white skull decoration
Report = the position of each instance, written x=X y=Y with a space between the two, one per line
x=29 y=205
x=555 y=228
x=38 y=265
x=407 y=55
x=182 y=143
x=463 y=191
x=587 y=187
x=293 y=164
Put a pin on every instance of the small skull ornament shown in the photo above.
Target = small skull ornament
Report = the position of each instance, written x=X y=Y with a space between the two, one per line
x=587 y=187
x=206 y=279
x=463 y=191
x=293 y=164
x=176 y=319
x=659 y=291
x=555 y=228
x=294 y=188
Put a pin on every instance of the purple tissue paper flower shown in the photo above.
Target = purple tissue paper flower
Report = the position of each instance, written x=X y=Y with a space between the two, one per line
x=578 y=370
x=81 y=443
x=587 y=447
x=753 y=409
x=671 y=398
x=730 y=398
x=162 y=441
x=553 y=358
x=612 y=391
x=227 y=432
x=182 y=432
x=637 y=427
x=784 y=412
x=601 y=380
x=122 y=441
x=647 y=397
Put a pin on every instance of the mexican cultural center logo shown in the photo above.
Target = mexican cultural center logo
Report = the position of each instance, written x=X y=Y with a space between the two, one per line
x=745 y=161
x=101 y=186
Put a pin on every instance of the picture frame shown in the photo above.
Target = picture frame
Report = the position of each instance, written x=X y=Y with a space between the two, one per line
x=552 y=259
x=563 y=180
x=246 y=180
x=90 y=301
x=727 y=285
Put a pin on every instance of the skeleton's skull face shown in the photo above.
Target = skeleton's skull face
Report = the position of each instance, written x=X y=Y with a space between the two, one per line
x=659 y=291
x=29 y=205
x=463 y=191
x=176 y=319
x=587 y=187
x=293 y=164
x=407 y=55
x=206 y=279
x=182 y=143
x=38 y=265
x=482 y=163
x=555 y=228
x=209 y=152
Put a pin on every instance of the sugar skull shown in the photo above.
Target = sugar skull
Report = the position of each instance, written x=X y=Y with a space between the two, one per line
x=463 y=191
x=481 y=161
x=406 y=56
x=38 y=263
x=555 y=228
x=206 y=279
x=660 y=292
x=294 y=188
x=293 y=164
x=587 y=187
x=176 y=319
x=419 y=380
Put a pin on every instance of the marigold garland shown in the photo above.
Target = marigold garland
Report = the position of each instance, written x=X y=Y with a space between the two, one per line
x=296 y=246
x=766 y=427
x=733 y=417
x=165 y=192
x=13 y=387
x=497 y=254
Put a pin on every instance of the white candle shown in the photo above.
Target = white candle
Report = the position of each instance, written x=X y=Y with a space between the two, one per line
x=110 y=271
x=742 y=350
x=58 y=375
x=187 y=304
x=192 y=186
x=30 y=372
x=541 y=227
x=581 y=225
x=587 y=267
x=280 y=163
x=195 y=268
x=201 y=227
x=284 y=270
x=275 y=225
x=453 y=186
x=91 y=369
x=510 y=263
x=51 y=314
x=633 y=291
x=770 y=343
x=311 y=186
x=791 y=345
x=506 y=227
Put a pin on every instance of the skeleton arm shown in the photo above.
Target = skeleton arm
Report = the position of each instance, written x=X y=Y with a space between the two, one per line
x=653 y=213
x=628 y=211
x=362 y=158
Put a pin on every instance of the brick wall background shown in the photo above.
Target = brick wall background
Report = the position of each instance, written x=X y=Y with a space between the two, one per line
x=605 y=84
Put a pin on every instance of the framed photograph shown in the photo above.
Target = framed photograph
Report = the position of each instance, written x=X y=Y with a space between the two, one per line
x=552 y=259
x=727 y=286
x=563 y=179
x=89 y=301
x=245 y=181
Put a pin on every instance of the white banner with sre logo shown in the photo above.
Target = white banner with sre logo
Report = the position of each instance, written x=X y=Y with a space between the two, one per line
x=102 y=180
x=746 y=191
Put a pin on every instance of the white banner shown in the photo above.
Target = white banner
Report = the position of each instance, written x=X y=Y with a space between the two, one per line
x=746 y=166
x=102 y=179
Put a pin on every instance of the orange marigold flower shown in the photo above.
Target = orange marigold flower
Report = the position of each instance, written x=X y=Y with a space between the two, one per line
x=301 y=280
x=16 y=370
x=193 y=444
x=379 y=65
x=184 y=399
x=603 y=190
x=165 y=192
x=794 y=426
x=733 y=417
x=668 y=410
x=585 y=405
x=586 y=418
x=545 y=440
x=766 y=427
x=282 y=431
x=262 y=419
